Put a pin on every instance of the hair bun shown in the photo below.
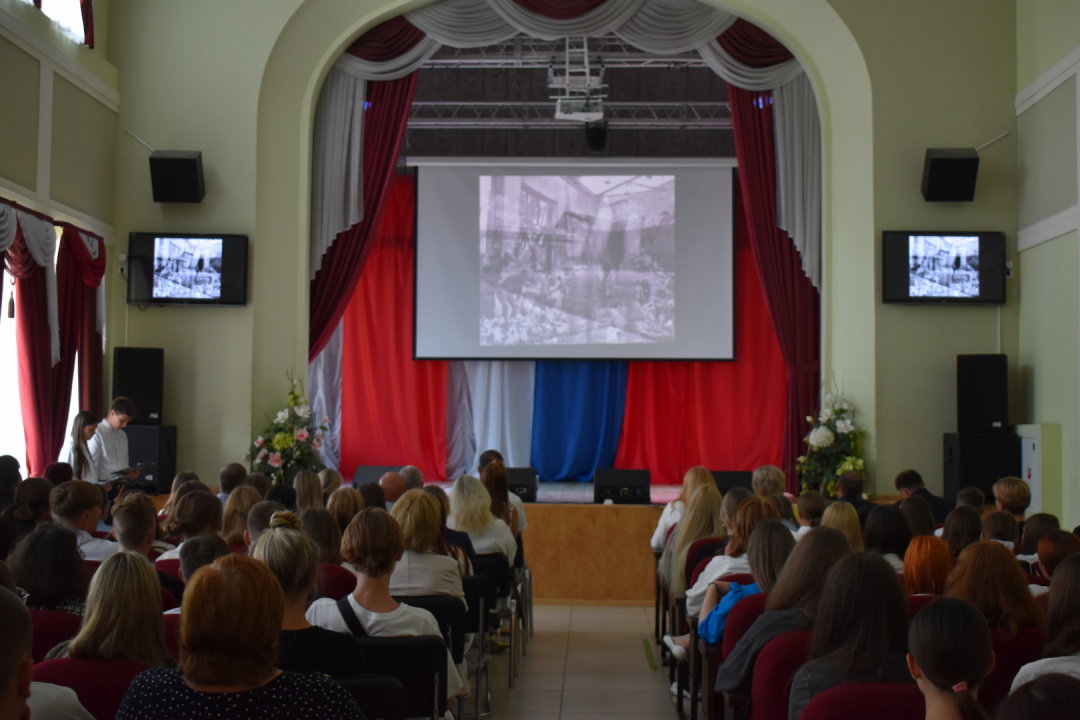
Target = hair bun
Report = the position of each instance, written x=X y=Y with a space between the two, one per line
x=285 y=519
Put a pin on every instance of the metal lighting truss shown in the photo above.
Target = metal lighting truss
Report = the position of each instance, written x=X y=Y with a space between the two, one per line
x=533 y=53
x=520 y=115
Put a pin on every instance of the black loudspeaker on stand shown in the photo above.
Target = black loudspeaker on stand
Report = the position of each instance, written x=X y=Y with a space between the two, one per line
x=139 y=375
x=621 y=486
x=980 y=460
x=156 y=445
x=522 y=482
x=982 y=393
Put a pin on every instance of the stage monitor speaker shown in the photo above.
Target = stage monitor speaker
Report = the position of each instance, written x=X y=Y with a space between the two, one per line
x=730 y=479
x=982 y=393
x=979 y=460
x=949 y=174
x=139 y=375
x=596 y=136
x=621 y=486
x=176 y=176
x=154 y=444
x=372 y=473
x=522 y=482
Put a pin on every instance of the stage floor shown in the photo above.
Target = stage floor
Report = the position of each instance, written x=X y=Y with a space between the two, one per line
x=575 y=493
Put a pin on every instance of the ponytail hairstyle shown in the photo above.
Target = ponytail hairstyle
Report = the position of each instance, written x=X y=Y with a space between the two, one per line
x=289 y=554
x=494 y=478
x=950 y=641
x=83 y=420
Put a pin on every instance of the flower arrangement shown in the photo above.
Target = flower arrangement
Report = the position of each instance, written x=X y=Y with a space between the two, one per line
x=835 y=446
x=291 y=443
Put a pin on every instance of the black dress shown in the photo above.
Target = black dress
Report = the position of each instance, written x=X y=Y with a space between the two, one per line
x=317 y=649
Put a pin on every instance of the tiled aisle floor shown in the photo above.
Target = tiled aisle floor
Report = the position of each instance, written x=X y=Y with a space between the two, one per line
x=584 y=663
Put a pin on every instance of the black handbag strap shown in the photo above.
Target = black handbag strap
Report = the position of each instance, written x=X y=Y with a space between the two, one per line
x=349 y=616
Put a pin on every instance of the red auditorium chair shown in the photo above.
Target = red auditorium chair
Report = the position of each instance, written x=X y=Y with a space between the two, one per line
x=1012 y=654
x=168 y=602
x=774 y=669
x=153 y=554
x=855 y=701
x=238 y=549
x=92 y=565
x=52 y=627
x=915 y=603
x=739 y=578
x=172 y=634
x=100 y=684
x=667 y=535
x=337 y=581
x=704 y=549
x=740 y=618
x=170 y=567
x=101 y=534
x=1034 y=579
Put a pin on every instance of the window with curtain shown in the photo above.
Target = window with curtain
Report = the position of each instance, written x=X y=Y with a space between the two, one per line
x=67 y=14
x=12 y=440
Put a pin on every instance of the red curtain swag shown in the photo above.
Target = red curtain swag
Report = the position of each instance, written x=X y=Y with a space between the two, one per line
x=384 y=129
x=752 y=46
x=387 y=40
x=87 y=7
x=560 y=9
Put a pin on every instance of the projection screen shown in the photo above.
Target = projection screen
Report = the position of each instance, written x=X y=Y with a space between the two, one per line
x=564 y=259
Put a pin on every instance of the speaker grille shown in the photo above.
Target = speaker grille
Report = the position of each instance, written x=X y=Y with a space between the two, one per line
x=138 y=375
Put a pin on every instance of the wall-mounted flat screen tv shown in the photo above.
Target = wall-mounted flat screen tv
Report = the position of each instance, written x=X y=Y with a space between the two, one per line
x=185 y=269
x=943 y=267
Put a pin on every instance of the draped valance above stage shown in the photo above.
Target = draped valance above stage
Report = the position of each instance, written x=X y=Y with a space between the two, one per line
x=360 y=120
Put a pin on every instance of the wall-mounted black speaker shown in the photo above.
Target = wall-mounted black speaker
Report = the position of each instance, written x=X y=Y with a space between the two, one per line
x=621 y=486
x=982 y=393
x=139 y=375
x=156 y=445
x=596 y=136
x=730 y=479
x=949 y=174
x=522 y=482
x=979 y=460
x=176 y=176
x=372 y=473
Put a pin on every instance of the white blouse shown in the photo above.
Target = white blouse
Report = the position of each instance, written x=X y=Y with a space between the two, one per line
x=671 y=515
x=1070 y=665
x=67 y=455
x=717 y=568
x=426 y=574
x=497 y=538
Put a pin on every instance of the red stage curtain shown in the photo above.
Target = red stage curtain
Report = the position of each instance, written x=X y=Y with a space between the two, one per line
x=560 y=9
x=35 y=355
x=387 y=40
x=393 y=408
x=384 y=129
x=752 y=46
x=723 y=415
x=87 y=7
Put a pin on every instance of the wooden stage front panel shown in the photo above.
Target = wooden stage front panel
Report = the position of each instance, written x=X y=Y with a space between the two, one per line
x=591 y=554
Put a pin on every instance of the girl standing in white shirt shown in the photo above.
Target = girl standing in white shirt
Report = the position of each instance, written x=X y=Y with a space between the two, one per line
x=75 y=452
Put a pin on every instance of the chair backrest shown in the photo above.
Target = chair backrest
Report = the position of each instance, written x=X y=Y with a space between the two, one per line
x=172 y=634
x=168 y=602
x=495 y=568
x=774 y=669
x=881 y=701
x=915 y=603
x=692 y=578
x=52 y=627
x=667 y=535
x=92 y=565
x=1034 y=579
x=740 y=578
x=419 y=663
x=698 y=550
x=238 y=549
x=740 y=618
x=381 y=697
x=170 y=566
x=101 y=534
x=449 y=612
x=153 y=554
x=337 y=582
x=1012 y=654
x=100 y=684
x=479 y=595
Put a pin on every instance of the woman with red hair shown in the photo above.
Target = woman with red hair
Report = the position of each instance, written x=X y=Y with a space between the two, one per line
x=989 y=577
x=927 y=565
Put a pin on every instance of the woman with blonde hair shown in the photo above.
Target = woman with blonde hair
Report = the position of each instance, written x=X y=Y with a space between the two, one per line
x=470 y=512
x=768 y=480
x=240 y=502
x=451 y=543
x=697 y=476
x=331 y=480
x=343 y=504
x=421 y=570
x=309 y=491
x=701 y=520
x=843 y=517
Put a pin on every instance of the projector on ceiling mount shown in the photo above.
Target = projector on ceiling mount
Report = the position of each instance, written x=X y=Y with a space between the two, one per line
x=582 y=109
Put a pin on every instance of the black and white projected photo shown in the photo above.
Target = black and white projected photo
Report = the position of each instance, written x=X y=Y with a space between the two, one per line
x=577 y=259
x=943 y=266
x=189 y=269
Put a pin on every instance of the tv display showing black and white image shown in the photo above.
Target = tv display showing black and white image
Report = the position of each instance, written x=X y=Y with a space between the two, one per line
x=187 y=268
x=577 y=259
x=943 y=266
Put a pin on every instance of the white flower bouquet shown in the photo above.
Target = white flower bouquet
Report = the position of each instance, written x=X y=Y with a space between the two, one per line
x=834 y=446
x=291 y=443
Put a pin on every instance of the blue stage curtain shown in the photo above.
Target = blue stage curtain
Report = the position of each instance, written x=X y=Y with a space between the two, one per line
x=577 y=417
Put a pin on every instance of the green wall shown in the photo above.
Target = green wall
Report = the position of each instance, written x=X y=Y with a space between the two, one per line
x=83 y=155
x=1047 y=155
x=1046 y=31
x=19 y=86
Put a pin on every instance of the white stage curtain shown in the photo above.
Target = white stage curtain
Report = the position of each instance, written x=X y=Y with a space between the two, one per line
x=93 y=246
x=462 y=23
x=460 y=437
x=748 y=78
x=604 y=19
x=797 y=130
x=40 y=238
x=674 y=26
x=324 y=396
x=502 y=408
x=8 y=226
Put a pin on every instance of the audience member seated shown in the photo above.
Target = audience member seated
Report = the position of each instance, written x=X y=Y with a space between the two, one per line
x=1054 y=547
x=494 y=479
x=237 y=507
x=844 y=517
x=322 y=530
x=283 y=494
x=811 y=506
x=181 y=479
x=1062 y=654
x=259 y=482
x=414 y=478
x=308 y=489
x=343 y=504
x=229 y=640
x=787 y=513
x=451 y=543
x=919 y=515
x=1012 y=495
x=135 y=528
x=792 y=604
x=470 y=512
x=58 y=473
x=373 y=495
x=331 y=481
x=393 y=485
x=971 y=497
x=258 y=520
x=76 y=453
x=48 y=566
x=421 y=570
x=187 y=488
x=700 y=520
x=31 y=506
x=751 y=511
x=988 y=576
x=860 y=634
x=305 y=648
x=768 y=480
x=10 y=477
x=1054 y=696
x=849 y=489
x=197 y=513
x=888 y=534
x=1034 y=528
x=963 y=526
x=373 y=543
x=950 y=654
x=230 y=477
x=488 y=456
x=927 y=565
x=1001 y=527
x=79 y=506
x=731 y=502
x=200 y=551
x=910 y=483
